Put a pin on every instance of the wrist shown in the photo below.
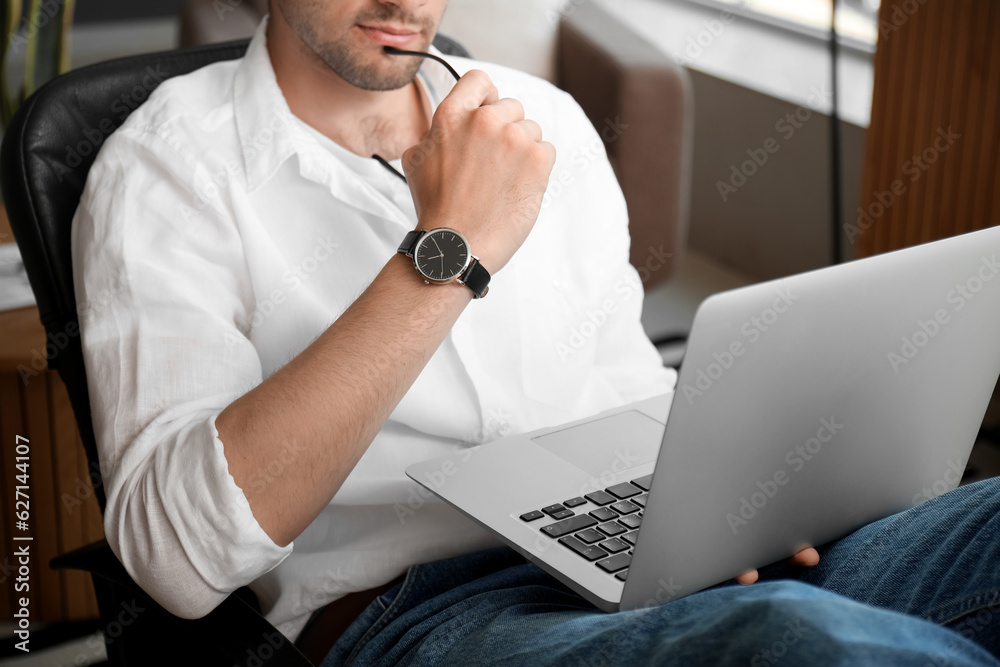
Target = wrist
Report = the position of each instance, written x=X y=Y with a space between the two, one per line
x=444 y=255
x=401 y=267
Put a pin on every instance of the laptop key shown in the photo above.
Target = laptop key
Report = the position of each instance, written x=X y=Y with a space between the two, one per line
x=615 y=563
x=574 y=502
x=611 y=528
x=630 y=521
x=531 y=516
x=628 y=537
x=640 y=500
x=625 y=507
x=622 y=575
x=589 y=536
x=604 y=514
x=552 y=509
x=588 y=551
x=562 y=514
x=623 y=490
x=600 y=498
x=644 y=482
x=567 y=526
x=614 y=545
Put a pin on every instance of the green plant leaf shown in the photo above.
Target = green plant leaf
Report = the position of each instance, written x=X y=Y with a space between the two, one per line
x=9 y=100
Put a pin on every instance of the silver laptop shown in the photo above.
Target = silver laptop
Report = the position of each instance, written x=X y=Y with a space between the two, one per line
x=805 y=408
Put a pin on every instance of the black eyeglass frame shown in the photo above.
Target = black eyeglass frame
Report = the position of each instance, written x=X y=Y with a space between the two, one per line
x=420 y=54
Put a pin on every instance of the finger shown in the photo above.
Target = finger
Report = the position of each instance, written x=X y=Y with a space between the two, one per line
x=473 y=90
x=508 y=110
x=808 y=557
x=747 y=577
x=531 y=129
x=550 y=151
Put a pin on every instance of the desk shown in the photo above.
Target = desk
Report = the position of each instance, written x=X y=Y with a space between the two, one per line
x=63 y=509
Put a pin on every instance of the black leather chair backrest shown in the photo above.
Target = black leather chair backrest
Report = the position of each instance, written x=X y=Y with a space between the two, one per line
x=47 y=152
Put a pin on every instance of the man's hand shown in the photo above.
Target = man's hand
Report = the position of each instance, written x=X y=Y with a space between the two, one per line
x=807 y=557
x=481 y=169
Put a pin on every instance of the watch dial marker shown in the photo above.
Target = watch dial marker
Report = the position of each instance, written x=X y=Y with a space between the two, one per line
x=441 y=255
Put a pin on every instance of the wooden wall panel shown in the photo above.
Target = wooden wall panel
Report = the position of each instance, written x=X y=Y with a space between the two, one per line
x=937 y=68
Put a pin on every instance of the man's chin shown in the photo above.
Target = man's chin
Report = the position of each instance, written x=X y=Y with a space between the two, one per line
x=381 y=83
x=379 y=77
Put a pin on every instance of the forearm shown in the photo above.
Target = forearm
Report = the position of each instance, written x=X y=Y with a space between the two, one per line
x=292 y=441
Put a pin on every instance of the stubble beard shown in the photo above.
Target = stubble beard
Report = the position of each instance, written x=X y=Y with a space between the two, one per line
x=347 y=63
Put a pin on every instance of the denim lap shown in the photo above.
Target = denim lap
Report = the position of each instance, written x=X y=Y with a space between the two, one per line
x=865 y=603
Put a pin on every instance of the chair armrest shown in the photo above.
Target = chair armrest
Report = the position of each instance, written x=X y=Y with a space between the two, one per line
x=640 y=101
x=138 y=631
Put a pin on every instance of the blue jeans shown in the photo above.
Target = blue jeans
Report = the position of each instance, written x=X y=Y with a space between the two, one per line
x=918 y=588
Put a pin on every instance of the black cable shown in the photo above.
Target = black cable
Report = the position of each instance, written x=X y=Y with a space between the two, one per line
x=392 y=50
x=385 y=163
x=835 y=185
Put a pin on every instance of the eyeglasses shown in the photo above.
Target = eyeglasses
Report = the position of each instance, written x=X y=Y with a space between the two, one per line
x=420 y=54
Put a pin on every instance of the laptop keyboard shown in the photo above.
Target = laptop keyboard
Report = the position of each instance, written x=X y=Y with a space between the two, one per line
x=600 y=526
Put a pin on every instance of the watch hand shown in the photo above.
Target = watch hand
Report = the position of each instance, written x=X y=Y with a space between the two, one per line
x=437 y=246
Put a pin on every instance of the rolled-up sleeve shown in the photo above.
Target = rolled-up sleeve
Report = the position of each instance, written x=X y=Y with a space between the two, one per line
x=165 y=301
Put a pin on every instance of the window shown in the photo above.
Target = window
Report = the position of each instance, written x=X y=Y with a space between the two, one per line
x=857 y=20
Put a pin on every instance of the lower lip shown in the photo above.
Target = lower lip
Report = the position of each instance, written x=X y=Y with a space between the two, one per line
x=388 y=38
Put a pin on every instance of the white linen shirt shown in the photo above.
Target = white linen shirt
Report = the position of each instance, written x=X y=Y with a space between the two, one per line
x=219 y=235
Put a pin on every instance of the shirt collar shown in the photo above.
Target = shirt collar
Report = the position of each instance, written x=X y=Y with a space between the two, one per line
x=267 y=135
x=263 y=119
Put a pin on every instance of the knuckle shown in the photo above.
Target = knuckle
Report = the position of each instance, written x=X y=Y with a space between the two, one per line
x=511 y=135
x=543 y=156
x=483 y=119
x=480 y=81
x=447 y=113
x=516 y=104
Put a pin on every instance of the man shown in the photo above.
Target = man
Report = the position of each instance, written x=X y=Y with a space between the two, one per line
x=267 y=364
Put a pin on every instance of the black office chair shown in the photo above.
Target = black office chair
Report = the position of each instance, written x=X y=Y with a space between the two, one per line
x=46 y=155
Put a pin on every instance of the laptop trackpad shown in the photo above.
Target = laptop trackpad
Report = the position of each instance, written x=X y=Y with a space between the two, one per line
x=609 y=445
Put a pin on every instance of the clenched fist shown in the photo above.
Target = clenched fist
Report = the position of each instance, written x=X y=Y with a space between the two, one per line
x=481 y=169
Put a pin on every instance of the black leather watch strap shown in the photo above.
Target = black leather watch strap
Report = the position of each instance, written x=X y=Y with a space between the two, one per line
x=476 y=278
x=410 y=241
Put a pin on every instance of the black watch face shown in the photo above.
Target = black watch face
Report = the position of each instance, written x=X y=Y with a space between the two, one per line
x=441 y=255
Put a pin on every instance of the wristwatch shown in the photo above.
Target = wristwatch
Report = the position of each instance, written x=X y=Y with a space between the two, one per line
x=442 y=255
